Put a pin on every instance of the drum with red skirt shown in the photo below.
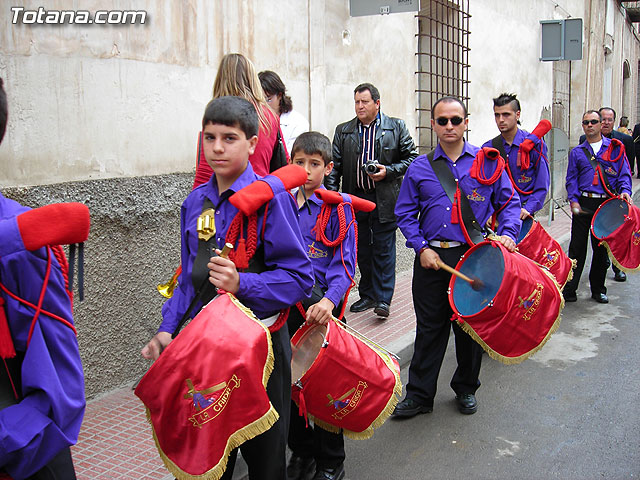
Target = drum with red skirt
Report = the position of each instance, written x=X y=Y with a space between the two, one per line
x=341 y=380
x=535 y=243
x=512 y=306
x=206 y=393
x=616 y=224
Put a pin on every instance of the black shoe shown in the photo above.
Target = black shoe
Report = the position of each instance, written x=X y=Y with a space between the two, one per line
x=408 y=408
x=300 y=468
x=330 y=473
x=467 y=403
x=382 y=309
x=362 y=305
x=570 y=296
x=620 y=276
x=600 y=297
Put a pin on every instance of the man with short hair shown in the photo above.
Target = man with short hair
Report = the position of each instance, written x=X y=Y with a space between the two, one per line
x=371 y=153
x=430 y=222
x=529 y=173
x=597 y=169
x=608 y=120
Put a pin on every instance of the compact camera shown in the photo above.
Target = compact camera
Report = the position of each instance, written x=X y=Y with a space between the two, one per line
x=370 y=167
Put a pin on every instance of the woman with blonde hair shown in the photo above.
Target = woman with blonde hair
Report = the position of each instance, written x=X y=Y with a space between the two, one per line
x=237 y=77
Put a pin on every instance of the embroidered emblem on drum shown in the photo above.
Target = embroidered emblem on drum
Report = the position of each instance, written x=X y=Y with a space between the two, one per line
x=636 y=237
x=530 y=304
x=524 y=179
x=315 y=252
x=345 y=405
x=206 y=406
x=610 y=171
x=475 y=196
x=550 y=258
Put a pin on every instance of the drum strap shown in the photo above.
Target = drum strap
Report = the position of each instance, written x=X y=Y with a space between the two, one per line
x=469 y=222
x=598 y=171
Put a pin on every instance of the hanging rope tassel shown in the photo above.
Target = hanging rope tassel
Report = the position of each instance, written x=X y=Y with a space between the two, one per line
x=7 y=350
x=455 y=216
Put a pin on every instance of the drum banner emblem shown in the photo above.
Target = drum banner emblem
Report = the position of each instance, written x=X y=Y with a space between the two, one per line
x=531 y=303
x=550 y=258
x=636 y=237
x=346 y=405
x=206 y=408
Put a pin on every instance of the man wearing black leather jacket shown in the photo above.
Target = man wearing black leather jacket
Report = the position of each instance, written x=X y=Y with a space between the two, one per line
x=371 y=153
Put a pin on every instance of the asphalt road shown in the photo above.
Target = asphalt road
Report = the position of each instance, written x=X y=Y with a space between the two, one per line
x=568 y=412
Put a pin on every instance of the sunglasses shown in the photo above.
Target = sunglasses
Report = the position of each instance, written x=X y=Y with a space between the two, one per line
x=455 y=121
x=592 y=122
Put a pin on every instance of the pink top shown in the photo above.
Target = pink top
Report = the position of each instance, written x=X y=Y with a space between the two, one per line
x=260 y=159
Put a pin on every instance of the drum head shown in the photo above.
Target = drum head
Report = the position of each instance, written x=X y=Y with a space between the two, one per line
x=527 y=223
x=609 y=217
x=486 y=264
x=306 y=350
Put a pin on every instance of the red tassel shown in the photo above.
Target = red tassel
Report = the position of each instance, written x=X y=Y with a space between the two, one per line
x=595 y=178
x=7 y=349
x=240 y=258
x=454 y=209
x=302 y=408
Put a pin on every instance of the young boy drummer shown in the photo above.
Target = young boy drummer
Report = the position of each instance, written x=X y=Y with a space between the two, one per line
x=333 y=268
x=279 y=272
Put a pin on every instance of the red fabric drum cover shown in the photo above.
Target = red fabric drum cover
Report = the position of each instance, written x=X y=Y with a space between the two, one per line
x=341 y=380
x=206 y=394
x=542 y=248
x=513 y=306
x=617 y=225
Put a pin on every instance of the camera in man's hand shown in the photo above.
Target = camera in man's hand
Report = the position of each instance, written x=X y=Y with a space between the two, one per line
x=370 y=167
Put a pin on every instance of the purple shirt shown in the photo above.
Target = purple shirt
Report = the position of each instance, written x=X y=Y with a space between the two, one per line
x=49 y=414
x=289 y=276
x=536 y=178
x=423 y=208
x=331 y=274
x=580 y=172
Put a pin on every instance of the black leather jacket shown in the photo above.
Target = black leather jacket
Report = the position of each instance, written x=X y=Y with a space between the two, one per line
x=394 y=148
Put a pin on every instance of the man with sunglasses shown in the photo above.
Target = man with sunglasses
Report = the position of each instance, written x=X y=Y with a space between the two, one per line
x=608 y=120
x=371 y=152
x=529 y=176
x=587 y=189
x=434 y=228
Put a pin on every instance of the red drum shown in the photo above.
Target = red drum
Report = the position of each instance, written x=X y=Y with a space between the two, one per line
x=341 y=380
x=617 y=225
x=513 y=306
x=206 y=394
x=535 y=243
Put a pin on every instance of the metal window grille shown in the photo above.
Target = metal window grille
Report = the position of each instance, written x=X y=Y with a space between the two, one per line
x=443 y=60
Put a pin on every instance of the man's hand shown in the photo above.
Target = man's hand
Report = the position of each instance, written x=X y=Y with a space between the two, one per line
x=429 y=259
x=223 y=273
x=524 y=213
x=576 y=209
x=508 y=242
x=320 y=313
x=156 y=345
x=627 y=197
x=380 y=174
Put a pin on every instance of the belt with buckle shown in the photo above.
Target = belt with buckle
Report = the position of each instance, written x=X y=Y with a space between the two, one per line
x=594 y=195
x=445 y=243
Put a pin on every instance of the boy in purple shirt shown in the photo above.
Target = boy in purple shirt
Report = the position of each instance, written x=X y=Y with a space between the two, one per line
x=530 y=180
x=279 y=274
x=333 y=268
x=586 y=192
x=41 y=382
x=424 y=213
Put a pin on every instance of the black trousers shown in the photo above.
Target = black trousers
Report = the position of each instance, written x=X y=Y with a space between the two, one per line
x=433 y=315
x=327 y=448
x=580 y=233
x=59 y=468
x=266 y=454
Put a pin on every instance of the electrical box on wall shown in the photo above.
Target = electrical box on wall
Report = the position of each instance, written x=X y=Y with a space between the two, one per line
x=561 y=39
x=361 y=8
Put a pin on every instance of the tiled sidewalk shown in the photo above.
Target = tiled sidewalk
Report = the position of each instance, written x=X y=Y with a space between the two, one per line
x=116 y=443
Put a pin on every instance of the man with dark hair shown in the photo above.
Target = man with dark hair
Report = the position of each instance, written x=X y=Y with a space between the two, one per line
x=591 y=174
x=524 y=154
x=371 y=152
x=433 y=229
x=608 y=120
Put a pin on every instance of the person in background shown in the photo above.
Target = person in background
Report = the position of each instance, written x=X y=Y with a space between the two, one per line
x=292 y=123
x=624 y=126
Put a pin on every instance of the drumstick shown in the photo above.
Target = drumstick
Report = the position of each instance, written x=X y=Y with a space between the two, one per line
x=476 y=283
x=366 y=339
x=225 y=250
